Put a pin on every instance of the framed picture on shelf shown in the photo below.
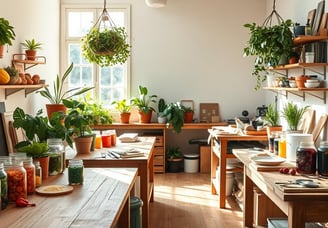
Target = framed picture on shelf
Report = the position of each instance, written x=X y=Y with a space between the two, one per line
x=318 y=17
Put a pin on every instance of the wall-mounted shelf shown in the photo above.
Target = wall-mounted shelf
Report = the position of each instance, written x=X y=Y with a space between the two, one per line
x=300 y=92
x=21 y=59
x=11 y=89
x=308 y=39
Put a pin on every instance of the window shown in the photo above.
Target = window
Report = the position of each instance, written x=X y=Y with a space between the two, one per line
x=111 y=83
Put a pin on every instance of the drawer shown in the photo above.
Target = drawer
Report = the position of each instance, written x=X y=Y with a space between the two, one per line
x=158 y=151
x=159 y=141
x=158 y=169
x=158 y=160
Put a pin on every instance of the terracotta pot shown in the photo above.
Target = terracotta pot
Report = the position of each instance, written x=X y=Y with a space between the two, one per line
x=2 y=47
x=51 y=108
x=125 y=117
x=44 y=163
x=145 y=117
x=188 y=117
x=300 y=80
x=30 y=54
x=83 y=144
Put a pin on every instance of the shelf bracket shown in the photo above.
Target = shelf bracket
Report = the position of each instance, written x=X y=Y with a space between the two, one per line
x=323 y=97
x=9 y=92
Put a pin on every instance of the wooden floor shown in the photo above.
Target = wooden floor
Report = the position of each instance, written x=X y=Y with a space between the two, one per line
x=185 y=200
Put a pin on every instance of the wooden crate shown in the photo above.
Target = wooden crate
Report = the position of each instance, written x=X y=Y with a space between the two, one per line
x=205 y=159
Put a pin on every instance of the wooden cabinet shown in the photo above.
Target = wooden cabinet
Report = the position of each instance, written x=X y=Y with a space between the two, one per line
x=159 y=155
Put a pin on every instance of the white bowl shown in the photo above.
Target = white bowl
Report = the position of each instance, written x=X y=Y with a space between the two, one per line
x=312 y=80
x=292 y=84
x=311 y=84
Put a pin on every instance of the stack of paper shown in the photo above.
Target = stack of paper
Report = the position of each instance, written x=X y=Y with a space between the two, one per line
x=128 y=137
x=125 y=153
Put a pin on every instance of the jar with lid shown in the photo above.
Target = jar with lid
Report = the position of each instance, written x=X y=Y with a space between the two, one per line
x=30 y=174
x=272 y=137
x=323 y=159
x=306 y=158
x=38 y=174
x=75 y=172
x=4 y=187
x=56 y=156
x=16 y=178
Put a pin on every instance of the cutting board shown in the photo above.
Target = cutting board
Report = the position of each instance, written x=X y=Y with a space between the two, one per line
x=270 y=168
x=261 y=132
x=323 y=189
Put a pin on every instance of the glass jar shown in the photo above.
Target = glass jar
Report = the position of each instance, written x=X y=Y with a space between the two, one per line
x=272 y=137
x=56 y=156
x=306 y=158
x=75 y=172
x=4 y=187
x=30 y=174
x=282 y=145
x=276 y=143
x=38 y=174
x=16 y=178
x=323 y=159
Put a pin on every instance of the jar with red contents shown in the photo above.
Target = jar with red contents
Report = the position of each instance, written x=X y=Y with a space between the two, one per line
x=30 y=174
x=16 y=177
x=306 y=158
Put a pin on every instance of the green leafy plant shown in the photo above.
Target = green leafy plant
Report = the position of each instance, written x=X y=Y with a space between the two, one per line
x=11 y=71
x=173 y=153
x=161 y=106
x=272 y=116
x=269 y=45
x=7 y=34
x=58 y=89
x=32 y=45
x=122 y=106
x=107 y=47
x=174 y=114
x=144 y=101
x=293 y=115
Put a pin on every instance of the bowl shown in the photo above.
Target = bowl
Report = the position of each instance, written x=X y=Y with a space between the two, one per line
x=312 y=80
x=311 y=84
x=292 y=84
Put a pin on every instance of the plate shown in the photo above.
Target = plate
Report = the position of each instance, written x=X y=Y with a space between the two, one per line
x=268 y=160
x=54 y=189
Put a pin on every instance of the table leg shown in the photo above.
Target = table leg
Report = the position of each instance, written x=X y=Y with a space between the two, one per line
x=248 y=200
x=144 y=194
x=214 y=163
x=124 y=220
x=223 y=169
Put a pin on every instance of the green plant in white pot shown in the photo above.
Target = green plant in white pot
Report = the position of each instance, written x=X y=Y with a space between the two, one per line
x=293 y=115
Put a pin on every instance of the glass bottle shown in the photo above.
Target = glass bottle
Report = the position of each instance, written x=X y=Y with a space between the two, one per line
x=306 y=158
x=56 y=156
x=276 y=143
x=38 y=174
x=272 y=136
x=30 y=174
x=4 y=187
x=282 y=145
x=323 y=159
x=75 y=172
x=16 y=178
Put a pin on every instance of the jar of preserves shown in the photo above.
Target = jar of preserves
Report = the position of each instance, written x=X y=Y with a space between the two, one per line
x=16 y=178
x=4 y=187
x=30 y=174
x=323 y=159
x=56 y=156
x=75 y=172
x=38 y=174
x=306 y=158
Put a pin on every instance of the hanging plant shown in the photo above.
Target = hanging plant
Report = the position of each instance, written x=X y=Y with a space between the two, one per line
x=105 y=44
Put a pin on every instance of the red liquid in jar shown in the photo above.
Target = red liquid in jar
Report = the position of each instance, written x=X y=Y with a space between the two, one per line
x=306 y=160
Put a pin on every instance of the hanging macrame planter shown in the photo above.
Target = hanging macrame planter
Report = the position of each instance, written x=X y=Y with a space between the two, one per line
x=105 y=44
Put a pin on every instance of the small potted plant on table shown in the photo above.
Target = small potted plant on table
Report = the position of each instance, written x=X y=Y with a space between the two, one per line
x=161 y=108
x=293 y=115
x=31 y=47
x=144 y=102
x=124 y=108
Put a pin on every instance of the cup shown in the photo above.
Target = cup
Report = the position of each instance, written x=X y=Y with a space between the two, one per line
x=106 y=140
x=309 y=57
x=98 y=143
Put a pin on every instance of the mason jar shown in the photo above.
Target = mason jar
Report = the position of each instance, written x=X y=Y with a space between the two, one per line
x=56 y=156
x=38 y=174
x=16 y=178
x=323 y=158
x=30 y=174
x=306 y=158
x=4 y=187
x=75 y=172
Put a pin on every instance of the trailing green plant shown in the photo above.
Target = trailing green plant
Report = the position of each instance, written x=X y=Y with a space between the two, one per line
x=7 y=34
x=293 y=115
x=107 y=47
x=269 y=44
x=31 y=45
x=144 y=101
x=272 y=116
x=123 y=106
x=175 y=116
x=59 y=92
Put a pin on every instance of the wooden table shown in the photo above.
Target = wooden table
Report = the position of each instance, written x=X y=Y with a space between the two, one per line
x=102 y=201
x=220 y=156
x=144 y=165
x=300 y=206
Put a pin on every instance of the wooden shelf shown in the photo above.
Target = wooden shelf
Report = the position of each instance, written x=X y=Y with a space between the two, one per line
x=308 y=39
x=21 y=59
x=298 y=65
x=11 y=89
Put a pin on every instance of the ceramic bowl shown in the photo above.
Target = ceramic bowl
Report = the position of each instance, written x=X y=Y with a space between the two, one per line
x=292 y=84
x=311 y=84
x=312 y=80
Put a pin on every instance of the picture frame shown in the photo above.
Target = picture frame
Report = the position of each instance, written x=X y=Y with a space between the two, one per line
x=318 y=17
x=310 y=17
x=209 y=113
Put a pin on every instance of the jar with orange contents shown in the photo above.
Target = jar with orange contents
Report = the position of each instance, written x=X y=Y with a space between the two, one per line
x=30 y=174
x=16 y=177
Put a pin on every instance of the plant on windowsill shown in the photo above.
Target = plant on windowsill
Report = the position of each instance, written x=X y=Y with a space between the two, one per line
x=144 y=104
x=7 y=34
x=124 y=108
x=293 y=115
x=31 y=47
x=174 y=158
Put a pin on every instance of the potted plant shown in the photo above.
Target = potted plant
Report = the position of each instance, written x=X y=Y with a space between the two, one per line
x=175 y=116
x=124 y=109
x=161 y=107
x=174 y=158
x=269 y=44
x=7 y=34
x=31 y=47
x=144 y=102
x=106 y=47
x=293 y=115
x=77 y=125
x=58 y=94
x=188 y=114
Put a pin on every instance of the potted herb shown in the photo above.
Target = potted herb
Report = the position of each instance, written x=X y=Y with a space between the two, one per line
x=174 y=159
x=31 y=47
x=7 y=34
x=107 y=47
x=175 y=116
x=293 y=115
x=144 y=103
x=269 y=44
x=58 y=94
x=161 y=107
x=124 y=109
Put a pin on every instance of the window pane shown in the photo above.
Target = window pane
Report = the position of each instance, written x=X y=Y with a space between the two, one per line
x=105 y=76
x=74 y=53
x=79 y=23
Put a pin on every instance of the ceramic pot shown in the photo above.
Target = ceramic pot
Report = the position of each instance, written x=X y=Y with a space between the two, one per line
x=83 y=144
x=300 y=80
x=125 y=117
x=188 y=117
x=30 y=55
x=51 y=108
x=145 y=117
